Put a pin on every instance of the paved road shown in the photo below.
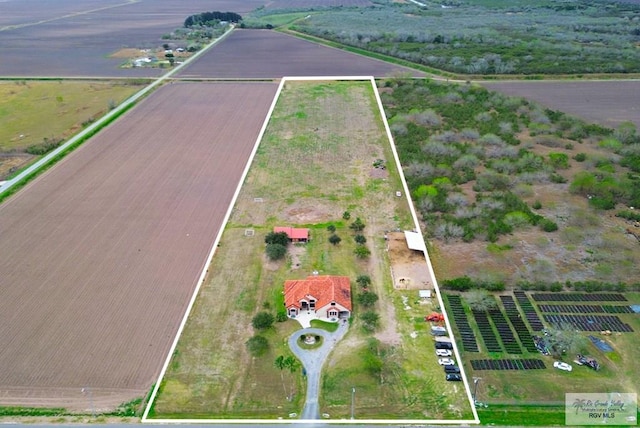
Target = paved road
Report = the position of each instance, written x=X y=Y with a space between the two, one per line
x=313 y=360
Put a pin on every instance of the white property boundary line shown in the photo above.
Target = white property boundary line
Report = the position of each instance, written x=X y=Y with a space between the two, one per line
x=154 y=393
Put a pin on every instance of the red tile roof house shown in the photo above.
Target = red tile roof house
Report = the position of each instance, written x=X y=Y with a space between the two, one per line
x=329 y=297
x=294 y=234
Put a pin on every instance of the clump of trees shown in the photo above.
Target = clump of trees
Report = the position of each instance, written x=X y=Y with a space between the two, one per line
x=45 y=147
x=465 y=283
x=210 y=19
x=277 y=243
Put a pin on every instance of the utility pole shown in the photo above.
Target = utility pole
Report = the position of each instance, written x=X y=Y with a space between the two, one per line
x=88 y=391
x=476 y=380
x=353 y=400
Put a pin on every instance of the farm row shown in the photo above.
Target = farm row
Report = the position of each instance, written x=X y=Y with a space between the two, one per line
x=102 y=253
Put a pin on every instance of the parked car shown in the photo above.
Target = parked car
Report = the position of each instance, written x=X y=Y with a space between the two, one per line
x=443 y=352
x=453 y=377
x=451 y=368
x=445 y=361
x=444 y=345
x=562 y=366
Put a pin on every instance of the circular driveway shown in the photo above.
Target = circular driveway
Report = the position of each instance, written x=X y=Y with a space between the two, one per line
x=312 y=360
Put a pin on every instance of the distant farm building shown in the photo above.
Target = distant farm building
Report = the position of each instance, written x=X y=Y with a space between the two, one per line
x=294 y=234
x=326 y=296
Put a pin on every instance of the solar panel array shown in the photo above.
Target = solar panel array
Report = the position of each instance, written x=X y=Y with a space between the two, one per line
x=586 y=309
x=489 y=337
x=590 y=322
x=469 y=342
x=523 y=332
x=509 y=341
x=578 y=297
x=524 y=364
x=529 y=311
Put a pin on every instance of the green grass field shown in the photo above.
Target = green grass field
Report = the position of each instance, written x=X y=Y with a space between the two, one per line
x=32 y=111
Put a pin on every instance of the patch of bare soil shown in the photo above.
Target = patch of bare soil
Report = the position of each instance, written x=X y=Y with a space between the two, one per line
x=408 y=267
x=303 y=212
x=11 y=162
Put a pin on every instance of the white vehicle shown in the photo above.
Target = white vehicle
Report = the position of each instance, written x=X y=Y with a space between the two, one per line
x=562 y=366
x=446 y=361
x=444 y=352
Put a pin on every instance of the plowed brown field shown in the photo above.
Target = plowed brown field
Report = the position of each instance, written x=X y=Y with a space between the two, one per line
x=605 y=102
x=76 y=37
x=266 y=54
x=101 y=254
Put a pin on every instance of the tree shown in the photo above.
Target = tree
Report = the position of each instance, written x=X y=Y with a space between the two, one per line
x=292 y=364
x=276 y=238
x=334 y=239
x=357 y=225
x=367 y=299
x=362 y=252
x=564 y=339
x=257 y=345
x=360 y=239
x=281 y=364
x=262 y=321
x=480 y=300
x=370 y=320
x=275 y=251
x=363 y=281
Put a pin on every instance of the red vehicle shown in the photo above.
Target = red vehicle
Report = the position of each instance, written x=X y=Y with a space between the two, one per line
x=434 y=316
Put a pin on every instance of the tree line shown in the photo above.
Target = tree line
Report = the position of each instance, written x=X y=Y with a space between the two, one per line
x=208 y=19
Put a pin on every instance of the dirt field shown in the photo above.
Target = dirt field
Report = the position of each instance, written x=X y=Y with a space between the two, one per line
x=408 y=267
x=75 y=37
x=100 y=255
x=269 y=54
x=605 y=102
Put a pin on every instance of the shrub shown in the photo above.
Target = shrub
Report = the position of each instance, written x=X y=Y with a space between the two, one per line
x=363 y=281
x=362 y=252
x=275 y=251
x=602 y=202
x=360 y=239
x=580 y=157
x=257 y=346
x=367 y=299
x=276 y=238
x=370 y=320
x=334 y=239
x=548 y=225
x=281 y=316
x=262 y=321
x=331 y=228
x=536 y=205
x=357 y=225
x=346 y=215
x=559 y=160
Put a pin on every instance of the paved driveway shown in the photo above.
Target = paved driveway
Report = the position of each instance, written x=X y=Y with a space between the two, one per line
x=313 y=360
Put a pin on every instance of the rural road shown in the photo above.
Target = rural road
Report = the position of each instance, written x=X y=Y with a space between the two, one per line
x=312 y=361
